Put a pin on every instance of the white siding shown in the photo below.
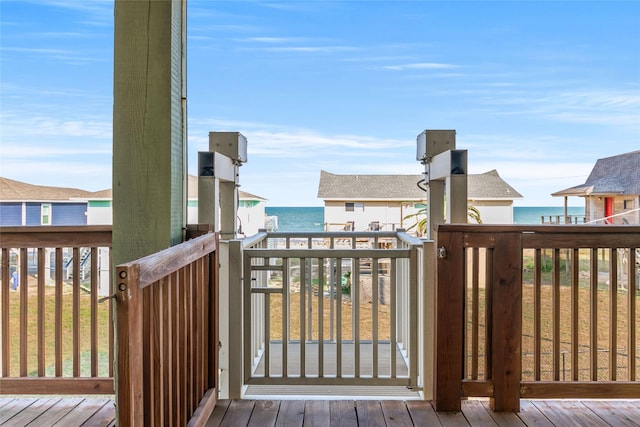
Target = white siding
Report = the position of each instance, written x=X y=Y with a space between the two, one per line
x=389 y=215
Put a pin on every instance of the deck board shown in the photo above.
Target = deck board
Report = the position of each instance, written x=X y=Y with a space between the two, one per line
x=100 y=412
x=61 y=410
x=569 y=413
x=31 y=412
x=83 y=412
x=422 y=411
x=265 y=413
x=616 y=413
x=343 y=413
x=317 y=413
x=396 y=413
x=370 y=413
x=291 y=413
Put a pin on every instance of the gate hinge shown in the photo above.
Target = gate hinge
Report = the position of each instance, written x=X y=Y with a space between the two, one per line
x=442 y=252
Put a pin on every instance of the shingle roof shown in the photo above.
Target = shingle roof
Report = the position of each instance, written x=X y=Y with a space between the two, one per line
x=192 y=190
x=487 y=185
x=611 y=175
x=490 y=185
x=11 y=190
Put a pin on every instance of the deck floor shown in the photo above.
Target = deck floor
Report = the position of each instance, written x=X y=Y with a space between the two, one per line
x=373 y=413
x=99 y=412
x=57 y=411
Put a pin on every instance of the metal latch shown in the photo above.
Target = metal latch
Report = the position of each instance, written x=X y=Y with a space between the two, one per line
x=442 y=252
x=107 y=298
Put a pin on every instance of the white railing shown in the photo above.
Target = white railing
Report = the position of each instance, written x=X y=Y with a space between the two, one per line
x=336 y=308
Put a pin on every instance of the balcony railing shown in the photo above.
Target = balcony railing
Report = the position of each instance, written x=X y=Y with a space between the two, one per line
x=167 y=312
x=331 y=308
x=57 y=336
x=537 y=312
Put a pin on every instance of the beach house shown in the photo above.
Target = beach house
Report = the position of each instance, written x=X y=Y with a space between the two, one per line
x=27 y=204
x=611 y=192
x=388 y=202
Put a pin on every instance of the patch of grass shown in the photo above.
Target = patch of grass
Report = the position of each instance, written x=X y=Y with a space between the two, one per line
x=48 y=351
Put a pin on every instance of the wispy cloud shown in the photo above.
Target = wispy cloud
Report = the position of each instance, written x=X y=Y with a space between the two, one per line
x=274 y=39
x=321 y=49
x=284 y=141
x=17 y=127
x=419 y=66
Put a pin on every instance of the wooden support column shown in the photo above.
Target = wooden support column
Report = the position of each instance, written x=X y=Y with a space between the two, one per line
x=149 y=125
x=149 y=150
x=449 y=322
x=507 y=322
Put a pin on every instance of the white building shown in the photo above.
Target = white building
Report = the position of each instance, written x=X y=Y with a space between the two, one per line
x=251 y=212
x=383 y=202
x=28 y=204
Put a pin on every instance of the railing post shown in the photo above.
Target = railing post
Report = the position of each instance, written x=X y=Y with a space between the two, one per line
x=234 y=313
x=414 y=277
x=507 y=322
x=449 y=321
x=129 y=381
x=427 y=313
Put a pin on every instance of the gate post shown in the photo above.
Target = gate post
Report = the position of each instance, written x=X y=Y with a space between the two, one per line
x=449 y=351
x=506 y=345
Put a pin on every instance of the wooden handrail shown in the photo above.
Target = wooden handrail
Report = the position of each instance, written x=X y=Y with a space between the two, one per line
x=558 y=300
x=31 y=247
x=167 y=319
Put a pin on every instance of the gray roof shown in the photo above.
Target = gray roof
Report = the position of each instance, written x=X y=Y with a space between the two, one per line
x=192 y=190
x=11 y=190
x=490 y=186
x=487 y=185
x=612 y=175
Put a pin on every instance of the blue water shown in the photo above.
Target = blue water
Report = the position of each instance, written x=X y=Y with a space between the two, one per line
x=312 y=218
x=298 y=218
x=533 y=214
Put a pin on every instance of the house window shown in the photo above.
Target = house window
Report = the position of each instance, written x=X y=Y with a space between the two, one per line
x=628 y=204
x=45 y=214
x=352 y=207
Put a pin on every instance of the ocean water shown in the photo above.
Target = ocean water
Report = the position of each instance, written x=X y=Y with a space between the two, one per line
x=312 y=218
x=298 y=218
x=533 y=214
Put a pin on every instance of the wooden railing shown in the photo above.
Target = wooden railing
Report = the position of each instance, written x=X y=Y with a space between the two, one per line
x=56 y=336
x=167 y=340
x=536 y=312
x=335 y=308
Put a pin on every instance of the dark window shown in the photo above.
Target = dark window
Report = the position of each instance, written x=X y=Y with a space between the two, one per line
x=349 y=207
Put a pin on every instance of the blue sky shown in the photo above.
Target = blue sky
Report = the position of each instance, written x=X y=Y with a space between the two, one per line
x=537 y=90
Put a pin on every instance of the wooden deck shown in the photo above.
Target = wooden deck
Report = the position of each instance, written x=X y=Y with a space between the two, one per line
x=98 y=412
x=57 y=411
x=372 y=413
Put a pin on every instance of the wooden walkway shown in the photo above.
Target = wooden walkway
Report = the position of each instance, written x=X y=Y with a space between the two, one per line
x=373 y=413
x=57 y=411
x=100 y=412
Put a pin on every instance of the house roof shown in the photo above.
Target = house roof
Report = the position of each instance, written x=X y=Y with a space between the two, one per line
x=483 y=186
x=490 y=186
x=611 y=175
x=11 y=190
x=192 y=190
